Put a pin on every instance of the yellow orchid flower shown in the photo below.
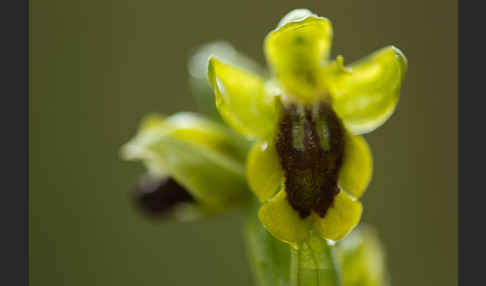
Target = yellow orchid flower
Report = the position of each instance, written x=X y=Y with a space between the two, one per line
x=309 y=165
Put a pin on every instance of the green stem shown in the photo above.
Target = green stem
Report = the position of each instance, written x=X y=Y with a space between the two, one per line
x=335 y=269
x=294 y=267
x=314 y=264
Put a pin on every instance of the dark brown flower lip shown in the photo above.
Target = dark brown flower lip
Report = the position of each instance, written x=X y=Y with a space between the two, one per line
x=159 y=196
x=310 y=146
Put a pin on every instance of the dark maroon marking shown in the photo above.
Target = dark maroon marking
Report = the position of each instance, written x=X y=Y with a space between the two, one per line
x=159 y=196
x=311 y=173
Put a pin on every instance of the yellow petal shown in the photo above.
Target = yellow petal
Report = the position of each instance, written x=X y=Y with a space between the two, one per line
x=365 y=94
x=242 y=100
x=282 y=221
x=198 y=72
x=357 y=167
x=343 y=215
x=263 y=170
x=296 y=49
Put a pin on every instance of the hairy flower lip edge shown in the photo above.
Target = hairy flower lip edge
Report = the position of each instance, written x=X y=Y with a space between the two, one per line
x=284 y=223
x=353 y=196
x=357 y=156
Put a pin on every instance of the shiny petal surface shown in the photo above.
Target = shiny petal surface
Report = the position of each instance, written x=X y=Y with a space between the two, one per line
x=365 y=94
x=296 y=49
x=282 y=221
x=242 y=100
x=263 y=171
x=357 y=167
x=340 y=219
x=198 y=72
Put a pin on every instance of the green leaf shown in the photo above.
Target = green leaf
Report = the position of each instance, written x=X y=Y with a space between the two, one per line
x=296 y=49
x=203 y=156
x=365 y=94
x=242 y=100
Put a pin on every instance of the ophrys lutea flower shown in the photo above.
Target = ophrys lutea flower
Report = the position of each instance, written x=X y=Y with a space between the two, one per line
x=309 y=165
x=195 y=166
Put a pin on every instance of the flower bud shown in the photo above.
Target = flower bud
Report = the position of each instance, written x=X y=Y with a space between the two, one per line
x=194 y=160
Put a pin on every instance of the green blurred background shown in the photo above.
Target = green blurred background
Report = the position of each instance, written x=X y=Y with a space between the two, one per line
x=98 y=66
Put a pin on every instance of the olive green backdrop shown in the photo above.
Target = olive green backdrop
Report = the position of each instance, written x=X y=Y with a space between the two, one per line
x=98 y=66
